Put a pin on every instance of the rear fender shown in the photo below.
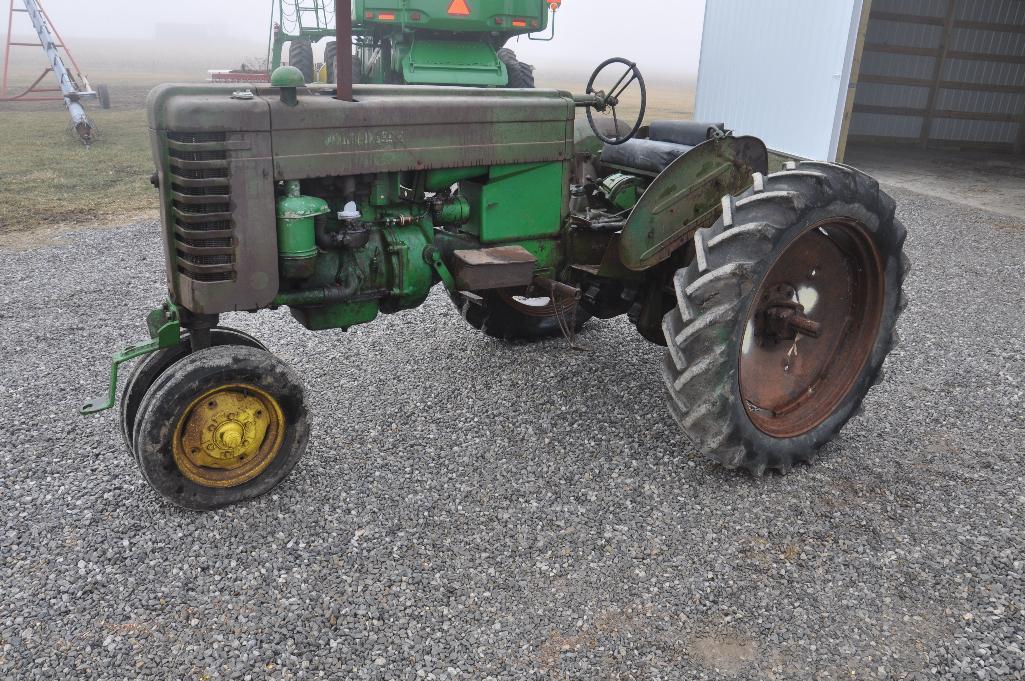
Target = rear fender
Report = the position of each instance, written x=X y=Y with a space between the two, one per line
x=688 y=196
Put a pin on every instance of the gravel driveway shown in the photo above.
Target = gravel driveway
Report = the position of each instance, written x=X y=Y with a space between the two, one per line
x=470 y=509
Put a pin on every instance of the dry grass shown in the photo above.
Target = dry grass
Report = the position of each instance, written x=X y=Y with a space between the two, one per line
x=50 y=182
x=49 y=179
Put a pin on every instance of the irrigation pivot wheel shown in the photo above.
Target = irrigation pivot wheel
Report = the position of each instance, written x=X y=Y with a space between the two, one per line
x=614 y=98
x=785 y=316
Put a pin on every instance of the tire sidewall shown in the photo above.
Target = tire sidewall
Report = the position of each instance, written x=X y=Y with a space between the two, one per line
x=149 y=369
x=884 y=237
x=175 y=390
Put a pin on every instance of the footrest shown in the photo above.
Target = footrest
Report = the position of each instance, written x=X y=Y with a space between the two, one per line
x=491 y=268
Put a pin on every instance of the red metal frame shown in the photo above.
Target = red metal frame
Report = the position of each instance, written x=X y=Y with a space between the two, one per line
x=32 y=89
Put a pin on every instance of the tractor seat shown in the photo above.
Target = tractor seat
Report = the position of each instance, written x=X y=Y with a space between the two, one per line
x=648 y=156
x=668 y=141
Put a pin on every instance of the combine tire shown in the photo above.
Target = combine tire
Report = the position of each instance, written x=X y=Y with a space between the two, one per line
x=816 y=247
x=154 y=364
x=515 y=318
x=330 y=59
x=300 y=55
x=224 y=424
x=520 y=75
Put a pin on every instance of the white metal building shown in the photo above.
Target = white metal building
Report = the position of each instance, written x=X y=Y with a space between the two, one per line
x=810 y=76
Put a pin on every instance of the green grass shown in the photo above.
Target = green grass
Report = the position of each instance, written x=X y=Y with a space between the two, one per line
x=49 y=179
x=49 y=182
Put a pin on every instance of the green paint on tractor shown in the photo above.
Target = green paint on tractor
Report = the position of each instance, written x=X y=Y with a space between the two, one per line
x=516 y=202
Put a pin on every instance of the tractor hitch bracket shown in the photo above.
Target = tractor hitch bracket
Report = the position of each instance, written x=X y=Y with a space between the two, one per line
x=164 y=324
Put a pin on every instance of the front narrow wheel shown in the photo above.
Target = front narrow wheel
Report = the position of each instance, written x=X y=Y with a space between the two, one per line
x=220 y=426
x=785 y=316
x=151 y=366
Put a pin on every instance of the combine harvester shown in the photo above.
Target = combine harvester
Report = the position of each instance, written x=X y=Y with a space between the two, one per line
x=426 y=42
x=73 y=87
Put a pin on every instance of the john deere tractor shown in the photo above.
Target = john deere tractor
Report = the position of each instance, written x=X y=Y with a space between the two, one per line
x=775 y=294
x=416 y=42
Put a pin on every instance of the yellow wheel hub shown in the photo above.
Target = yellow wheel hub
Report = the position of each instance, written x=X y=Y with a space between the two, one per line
x=228 y=436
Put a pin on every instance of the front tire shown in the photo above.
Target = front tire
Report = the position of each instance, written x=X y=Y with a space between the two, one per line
x=819 y=240
x=223 y=425
x=154 y=364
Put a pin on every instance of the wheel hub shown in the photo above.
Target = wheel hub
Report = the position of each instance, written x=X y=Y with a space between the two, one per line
x=228 y=436
x=781 y=317
x=812 y=328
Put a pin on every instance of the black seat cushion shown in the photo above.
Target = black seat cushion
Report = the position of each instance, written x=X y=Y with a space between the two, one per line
x=647 y=155
x=691 y=133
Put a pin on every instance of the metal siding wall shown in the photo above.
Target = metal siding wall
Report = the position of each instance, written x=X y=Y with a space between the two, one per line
x=899 y=33
x=922 y=8
x=778 y=70
x=995 y=11
x=921 y=67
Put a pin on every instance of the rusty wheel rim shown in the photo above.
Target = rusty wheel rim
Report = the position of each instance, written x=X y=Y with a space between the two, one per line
x=541 y=306
x=812 y=328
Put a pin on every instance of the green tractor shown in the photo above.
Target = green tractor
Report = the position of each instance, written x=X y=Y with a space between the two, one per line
x=415 y=42
x=775 y=294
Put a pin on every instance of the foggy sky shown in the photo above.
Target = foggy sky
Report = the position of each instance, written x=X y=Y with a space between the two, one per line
x=663 y=36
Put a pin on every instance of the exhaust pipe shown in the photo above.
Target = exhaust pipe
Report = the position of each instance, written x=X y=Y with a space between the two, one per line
x=343 y=41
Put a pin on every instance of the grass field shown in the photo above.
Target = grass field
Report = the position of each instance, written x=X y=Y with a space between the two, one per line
x=49 y=182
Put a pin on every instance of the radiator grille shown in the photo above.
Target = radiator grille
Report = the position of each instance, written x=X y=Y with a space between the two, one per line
x=201 y=206
x=196 y=137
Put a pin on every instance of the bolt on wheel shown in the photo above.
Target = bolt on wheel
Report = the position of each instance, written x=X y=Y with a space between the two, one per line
x=228 y=436
x=785 y=316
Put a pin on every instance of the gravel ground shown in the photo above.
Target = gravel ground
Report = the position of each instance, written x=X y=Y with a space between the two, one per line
x=470 y=509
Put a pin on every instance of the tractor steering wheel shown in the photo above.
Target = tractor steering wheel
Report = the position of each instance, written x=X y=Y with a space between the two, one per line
x=608 y=102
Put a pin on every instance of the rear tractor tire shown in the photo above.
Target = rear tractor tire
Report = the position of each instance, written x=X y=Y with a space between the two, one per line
x=520 y=75
x=222 y=425
x=785 y=316
x=509 y=317
x=300 y=55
